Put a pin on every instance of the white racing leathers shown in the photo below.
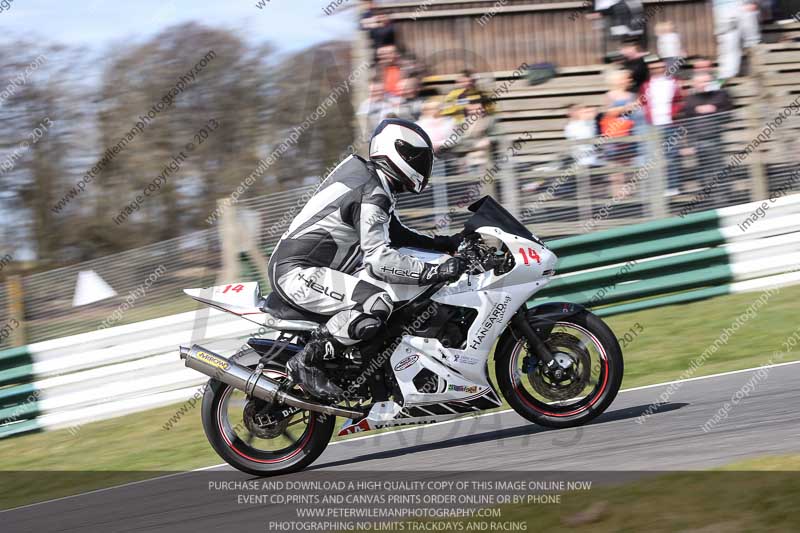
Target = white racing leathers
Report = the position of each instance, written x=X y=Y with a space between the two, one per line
x=348 y=224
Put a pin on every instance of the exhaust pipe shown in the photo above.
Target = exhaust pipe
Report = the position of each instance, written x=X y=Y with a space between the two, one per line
x=252 y=383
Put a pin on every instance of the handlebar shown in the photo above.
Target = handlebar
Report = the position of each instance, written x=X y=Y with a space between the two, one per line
x=480 y=257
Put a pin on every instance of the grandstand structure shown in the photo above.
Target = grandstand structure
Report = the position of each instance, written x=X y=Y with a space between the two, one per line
x=487 y=35
x=530 y=117
x=493 y=38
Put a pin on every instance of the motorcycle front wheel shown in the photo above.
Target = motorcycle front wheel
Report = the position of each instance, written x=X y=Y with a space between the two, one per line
x=590 y=366
x=258 y=441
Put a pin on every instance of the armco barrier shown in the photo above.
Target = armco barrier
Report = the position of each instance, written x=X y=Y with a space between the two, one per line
x=680 y=259
x=69 y=381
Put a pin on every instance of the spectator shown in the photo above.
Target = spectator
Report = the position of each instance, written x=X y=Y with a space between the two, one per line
x=706 y=100
x=389 y=69
x=383 y=34
x=582 y=124
x=706 y=108
x=376 y=107
x=737 y=25
x=379 y=27
x=749 y=23
x=704 y=65
x=770 y=10
x=439 y=128
x=466 y=92
x=617 y=123
x=475 y=142
x=669 y=46
x=620 y=102
x=409 y=104
x=662 y=99
x=367 y=13
x=633 y=61
x=622 y=20
x=729 y=49
x=661 y=96
x=599 y=9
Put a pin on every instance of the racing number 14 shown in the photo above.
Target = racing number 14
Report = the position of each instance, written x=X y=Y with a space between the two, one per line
x=531 y=255
x=234 y=288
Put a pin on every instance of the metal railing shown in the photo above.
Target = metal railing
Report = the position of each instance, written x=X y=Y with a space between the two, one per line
x=147 y=281
x=558 y=188
x=572 y=187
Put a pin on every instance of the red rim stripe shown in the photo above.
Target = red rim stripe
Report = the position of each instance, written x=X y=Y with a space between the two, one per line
x=255 y=460
x=603 y=357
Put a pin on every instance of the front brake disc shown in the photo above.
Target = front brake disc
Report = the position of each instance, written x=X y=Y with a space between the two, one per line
x=564 y=347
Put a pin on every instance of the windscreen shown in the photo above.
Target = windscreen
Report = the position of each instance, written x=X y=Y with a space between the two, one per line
x=488 y=212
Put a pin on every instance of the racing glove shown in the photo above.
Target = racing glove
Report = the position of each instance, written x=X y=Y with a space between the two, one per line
x=449 y=243
x=446 y=272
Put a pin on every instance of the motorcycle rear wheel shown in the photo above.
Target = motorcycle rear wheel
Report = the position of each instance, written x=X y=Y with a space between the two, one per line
x=264 y=451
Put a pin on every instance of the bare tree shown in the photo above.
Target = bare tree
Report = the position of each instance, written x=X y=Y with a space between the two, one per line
x=187 y=116
x=43 y=115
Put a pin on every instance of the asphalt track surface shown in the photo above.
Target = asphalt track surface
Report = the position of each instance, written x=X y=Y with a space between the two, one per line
x=759 y=422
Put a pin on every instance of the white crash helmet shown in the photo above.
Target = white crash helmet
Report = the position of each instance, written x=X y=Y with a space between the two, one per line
x=404 y=152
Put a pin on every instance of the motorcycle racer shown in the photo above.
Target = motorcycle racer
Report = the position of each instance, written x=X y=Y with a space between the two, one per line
x=349 y=224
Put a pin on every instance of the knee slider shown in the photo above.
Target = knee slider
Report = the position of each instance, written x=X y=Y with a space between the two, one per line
x=379 y=305
x=365 y=327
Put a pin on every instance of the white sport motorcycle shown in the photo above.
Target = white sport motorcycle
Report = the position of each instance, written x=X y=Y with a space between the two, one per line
x=556 y=364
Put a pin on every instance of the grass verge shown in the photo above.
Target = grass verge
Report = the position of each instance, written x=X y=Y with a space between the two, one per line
x=758 y=495
x=666 y=340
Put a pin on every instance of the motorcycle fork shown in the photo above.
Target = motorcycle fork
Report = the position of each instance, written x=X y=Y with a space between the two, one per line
x=522 y=328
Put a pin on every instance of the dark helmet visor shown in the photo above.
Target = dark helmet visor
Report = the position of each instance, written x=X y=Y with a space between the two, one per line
x=420 y=159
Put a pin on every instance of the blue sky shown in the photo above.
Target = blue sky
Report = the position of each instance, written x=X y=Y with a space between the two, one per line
x=288 y=24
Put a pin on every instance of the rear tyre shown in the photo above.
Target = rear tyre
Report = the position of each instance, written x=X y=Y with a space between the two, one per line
x=592 y=359
x=233 y=424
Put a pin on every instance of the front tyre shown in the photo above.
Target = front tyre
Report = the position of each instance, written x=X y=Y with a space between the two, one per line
x=260 y=441
x=590 y=360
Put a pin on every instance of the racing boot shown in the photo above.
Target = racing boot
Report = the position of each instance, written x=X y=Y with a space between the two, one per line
x=303 y=370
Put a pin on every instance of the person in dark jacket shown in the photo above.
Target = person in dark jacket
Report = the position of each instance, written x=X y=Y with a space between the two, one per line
x=706 y=100
x=633 y=61
x=709 y=108
x=623 y=20
x=379 y=27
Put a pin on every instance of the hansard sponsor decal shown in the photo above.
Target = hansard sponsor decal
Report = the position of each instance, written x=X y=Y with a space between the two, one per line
x=497 y=314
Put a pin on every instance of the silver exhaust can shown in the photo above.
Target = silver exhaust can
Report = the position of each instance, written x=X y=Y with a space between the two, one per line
x=251 y=382
x=229 y=372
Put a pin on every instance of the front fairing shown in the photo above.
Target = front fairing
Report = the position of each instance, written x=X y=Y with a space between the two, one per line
x=534 y=263
x=487 y=212
x=534 y=266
